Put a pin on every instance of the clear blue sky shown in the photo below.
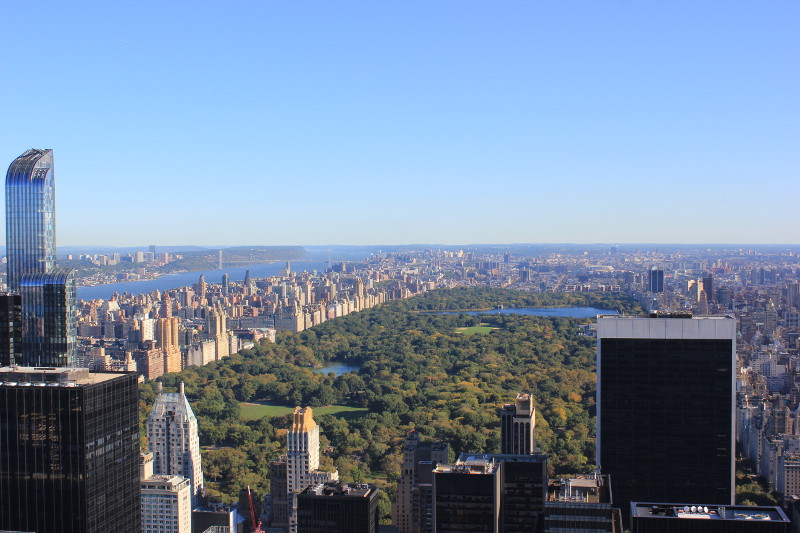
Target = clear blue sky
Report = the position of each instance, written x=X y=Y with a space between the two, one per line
x=335 y=122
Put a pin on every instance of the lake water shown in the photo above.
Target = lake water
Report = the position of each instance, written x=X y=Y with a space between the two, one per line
x=337 y=368
x=567 y=312
x=183 y=279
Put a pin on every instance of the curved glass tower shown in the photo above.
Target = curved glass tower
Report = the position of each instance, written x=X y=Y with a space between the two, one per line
x=48 y=293
x=30 y=216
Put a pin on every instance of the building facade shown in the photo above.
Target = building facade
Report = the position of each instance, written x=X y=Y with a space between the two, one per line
x=518 y=426
x=166 y=500
x=665 y=416
x=338 y=508
x=173 y=439
x=48 y=293
x=10 y=329
x=70 y=451
x=412 y=510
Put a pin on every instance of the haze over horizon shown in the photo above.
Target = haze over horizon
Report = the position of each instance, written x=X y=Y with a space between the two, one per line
x=358 y=123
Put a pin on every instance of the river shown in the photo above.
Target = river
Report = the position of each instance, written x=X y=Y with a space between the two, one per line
x=183 y=279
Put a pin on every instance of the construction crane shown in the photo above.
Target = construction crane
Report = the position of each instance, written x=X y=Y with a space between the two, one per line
x=256 y=526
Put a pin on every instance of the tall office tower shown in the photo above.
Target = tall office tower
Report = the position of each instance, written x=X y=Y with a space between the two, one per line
x=167 y=337
x=10 y=329
x=173 y=439
x=491 y=493
x=665 y=408
x=655 y=280
x=70 y=450
x=518 y=426
x=225 y=284
x=412 y=511
x=166 y=500
x=793 y=294
x=338 y=508
x=302 y=454
x=708 y=286
x=279 y=493
x=48 y=293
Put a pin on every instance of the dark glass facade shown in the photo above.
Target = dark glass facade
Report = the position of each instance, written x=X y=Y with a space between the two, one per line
x=48 y=293
x=49 y=321
x=665 y=418
x=655 y=280
x=30 y=215
x=338 y=508
x=70 y=446
x=10 y=329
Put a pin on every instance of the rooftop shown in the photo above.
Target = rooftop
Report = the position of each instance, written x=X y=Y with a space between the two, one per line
x=23 y=376
x=706 y=512
x=356 y=490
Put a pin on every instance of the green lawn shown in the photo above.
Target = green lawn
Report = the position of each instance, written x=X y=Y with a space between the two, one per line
x=482 y=329
x=255 y=411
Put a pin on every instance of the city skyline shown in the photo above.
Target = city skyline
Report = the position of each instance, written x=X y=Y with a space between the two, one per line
x=359 y=123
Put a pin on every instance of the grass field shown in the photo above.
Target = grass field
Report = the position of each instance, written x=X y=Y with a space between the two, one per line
x=481 y=329
x=255 y=411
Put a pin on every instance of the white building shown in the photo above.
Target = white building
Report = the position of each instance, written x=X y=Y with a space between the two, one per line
x=166 y=500
x=173 y=439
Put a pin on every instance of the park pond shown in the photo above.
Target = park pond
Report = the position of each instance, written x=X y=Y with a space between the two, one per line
x=566 y=312
x=337 y=368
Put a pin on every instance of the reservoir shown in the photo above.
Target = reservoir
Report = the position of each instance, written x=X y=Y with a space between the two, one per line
x=566 y=312
x=183 y=279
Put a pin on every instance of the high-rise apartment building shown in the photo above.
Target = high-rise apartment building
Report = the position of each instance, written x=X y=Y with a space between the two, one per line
x=166 y=500
x=48 y=293
x=518 y=426
x=173 y=439
x=412 y=510
x=69 y=451
x=167 y=337
x=302 y=456
x=665 y=407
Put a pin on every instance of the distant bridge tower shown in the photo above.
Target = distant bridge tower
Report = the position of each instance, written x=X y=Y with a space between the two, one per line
x=219 y=260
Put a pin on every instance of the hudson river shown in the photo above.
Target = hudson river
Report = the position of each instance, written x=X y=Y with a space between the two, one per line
x=174 y=281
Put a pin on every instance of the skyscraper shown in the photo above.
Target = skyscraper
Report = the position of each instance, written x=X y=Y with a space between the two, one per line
x=518 y=426
x=302 y=451
x=48 y=293
x=338 y=508
x=412 y=510
x=665 y=408
x=70 y=451
x=655 y=280
x=173 y=439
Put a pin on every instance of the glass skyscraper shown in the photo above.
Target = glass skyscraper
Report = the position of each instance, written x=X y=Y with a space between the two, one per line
x=48 y=293
x=70 y=451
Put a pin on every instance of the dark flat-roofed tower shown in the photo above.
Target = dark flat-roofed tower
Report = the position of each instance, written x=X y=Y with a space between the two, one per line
x=69 y=450
x=665 y=407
